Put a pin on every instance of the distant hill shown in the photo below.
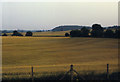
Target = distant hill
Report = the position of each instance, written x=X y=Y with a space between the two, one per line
x=11 y=31
x=68 y=27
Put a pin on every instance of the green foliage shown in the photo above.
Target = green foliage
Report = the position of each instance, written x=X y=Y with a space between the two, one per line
x=108 y=33
x=97 y=27
x=84 y=32
x=4 y=34
x=97 y=30
x=117 y=33
x=75 y=33
x=29 y=33
x=67 y=34
x=16 y=33
x=97 y=33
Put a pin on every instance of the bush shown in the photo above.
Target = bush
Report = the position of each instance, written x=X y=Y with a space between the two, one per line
x=97 y=30
x=4 y=34
x=15 y=33
x=67 y=34
x=84 y=32
x=75 y=33
x=29 y=33
x=108 y=33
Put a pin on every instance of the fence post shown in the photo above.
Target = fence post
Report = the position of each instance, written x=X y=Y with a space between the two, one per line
x=107 y=71
x=32 y=74
x=71 y=72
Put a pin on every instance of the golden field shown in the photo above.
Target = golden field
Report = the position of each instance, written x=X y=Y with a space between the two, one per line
x=45 y=34
x=54 y=54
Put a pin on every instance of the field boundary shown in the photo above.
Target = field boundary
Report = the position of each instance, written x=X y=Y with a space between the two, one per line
x=71 y=73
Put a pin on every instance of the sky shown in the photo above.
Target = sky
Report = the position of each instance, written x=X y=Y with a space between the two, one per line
x=47 y=15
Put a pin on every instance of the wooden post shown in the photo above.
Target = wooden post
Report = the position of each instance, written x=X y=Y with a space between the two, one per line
x=107 y=71
x=32 y=74
x=71 y=72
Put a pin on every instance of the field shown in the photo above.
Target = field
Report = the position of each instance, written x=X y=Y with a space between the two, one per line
x=45 y=51
x=46 y=34
x=55 y=54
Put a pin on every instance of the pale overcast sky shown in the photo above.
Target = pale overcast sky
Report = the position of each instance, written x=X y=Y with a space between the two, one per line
x=47 y=15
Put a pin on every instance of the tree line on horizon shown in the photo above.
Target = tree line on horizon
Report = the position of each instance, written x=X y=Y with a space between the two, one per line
x=16 y=33
x=97 y=32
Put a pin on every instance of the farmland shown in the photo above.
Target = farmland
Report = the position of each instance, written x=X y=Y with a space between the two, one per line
x=54 y=54
x=45 y=34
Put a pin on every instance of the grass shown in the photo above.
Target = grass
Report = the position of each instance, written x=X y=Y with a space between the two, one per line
x=57 y=76
x=55 y=54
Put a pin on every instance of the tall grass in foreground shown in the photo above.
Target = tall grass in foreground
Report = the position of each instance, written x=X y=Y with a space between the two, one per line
x=58 y=75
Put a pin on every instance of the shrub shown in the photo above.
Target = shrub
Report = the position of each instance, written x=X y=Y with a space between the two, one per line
x=15 y=33
x=67 y=34
x=29 y=33
x=4 y=34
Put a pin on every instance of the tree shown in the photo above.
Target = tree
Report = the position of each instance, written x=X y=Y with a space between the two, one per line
x=29 y=33
x=97 y=30
x=84 y=32
x=75 y=33
x=4 y=34
x=67 y=34
x=96 y=27
x=108 y=33
x=16 y=33
x=117 y=33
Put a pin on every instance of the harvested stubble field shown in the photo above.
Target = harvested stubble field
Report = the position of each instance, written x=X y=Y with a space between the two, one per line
x=55 y=54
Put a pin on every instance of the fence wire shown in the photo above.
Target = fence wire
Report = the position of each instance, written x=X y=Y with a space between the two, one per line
x=56 y=71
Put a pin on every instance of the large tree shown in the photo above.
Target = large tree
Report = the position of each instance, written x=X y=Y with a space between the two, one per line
x=75 y=33
x=97 y=30
x=84 y=32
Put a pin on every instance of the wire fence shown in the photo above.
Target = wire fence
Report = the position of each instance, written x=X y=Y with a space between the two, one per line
x=61 y=72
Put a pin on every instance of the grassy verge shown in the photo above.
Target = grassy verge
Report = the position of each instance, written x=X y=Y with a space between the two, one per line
x=58 y=75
